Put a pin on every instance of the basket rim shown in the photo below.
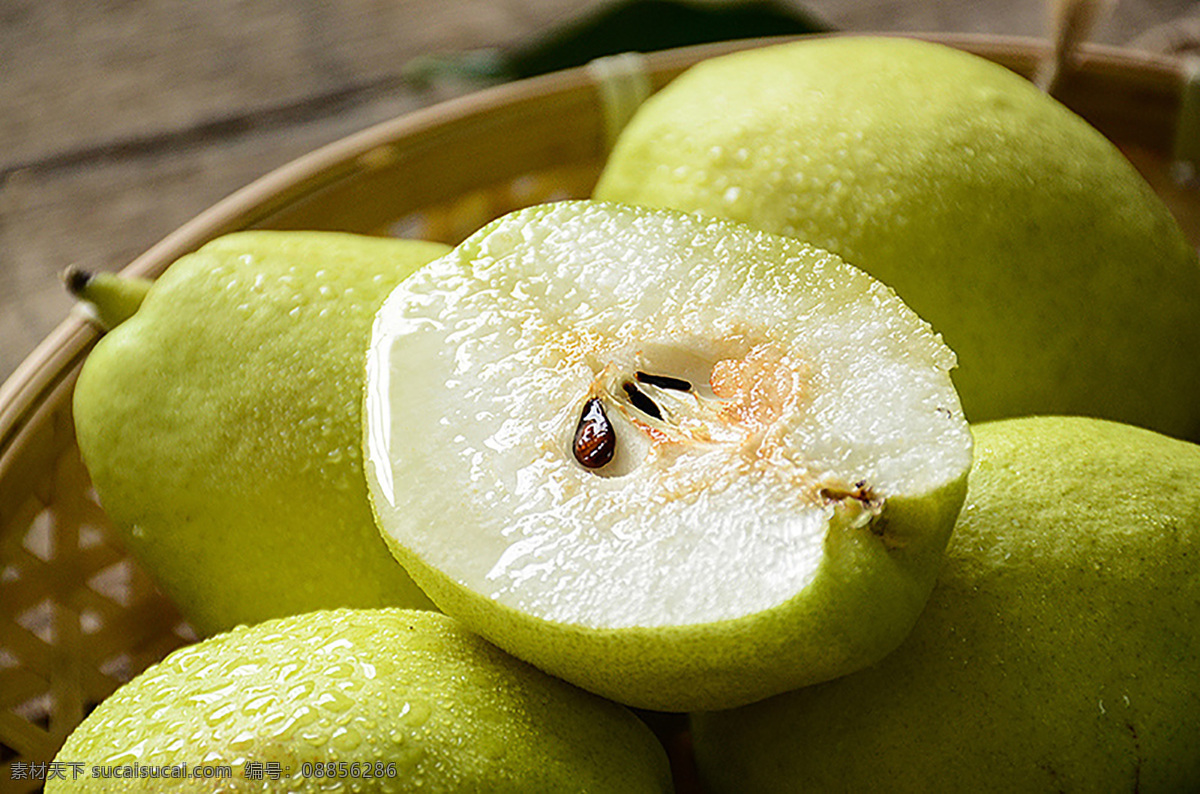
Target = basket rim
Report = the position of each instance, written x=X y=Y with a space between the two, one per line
x=59 y=354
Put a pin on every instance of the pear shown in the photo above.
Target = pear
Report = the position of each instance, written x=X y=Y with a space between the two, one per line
x=357 y=700
x=678 y=462
x=1060 y=650
x=1016 y=229
x=219 y=421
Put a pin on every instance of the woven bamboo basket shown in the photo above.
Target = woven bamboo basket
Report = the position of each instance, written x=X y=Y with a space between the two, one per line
x=78 y=617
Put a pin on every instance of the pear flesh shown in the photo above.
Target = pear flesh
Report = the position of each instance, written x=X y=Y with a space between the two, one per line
x=788 y=452
x=1060 y=650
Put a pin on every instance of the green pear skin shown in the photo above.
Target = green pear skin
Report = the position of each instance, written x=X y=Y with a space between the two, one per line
x=1060 y=650
x=1017 y=230
x=385 y=700
x=220 y=424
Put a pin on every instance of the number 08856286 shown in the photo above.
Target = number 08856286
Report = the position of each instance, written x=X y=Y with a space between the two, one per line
x=344 y=769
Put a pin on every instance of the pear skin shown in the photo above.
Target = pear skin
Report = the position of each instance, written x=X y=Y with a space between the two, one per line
x=220 y=422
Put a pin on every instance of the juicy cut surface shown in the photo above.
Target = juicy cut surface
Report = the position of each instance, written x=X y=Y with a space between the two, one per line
x=758 y=394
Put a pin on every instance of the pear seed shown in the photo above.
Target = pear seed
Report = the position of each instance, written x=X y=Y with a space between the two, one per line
x=595 y=440
x=663 y=381
x=641 y=401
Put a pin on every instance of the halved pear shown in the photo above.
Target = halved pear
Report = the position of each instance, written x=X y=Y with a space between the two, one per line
x=675 y=461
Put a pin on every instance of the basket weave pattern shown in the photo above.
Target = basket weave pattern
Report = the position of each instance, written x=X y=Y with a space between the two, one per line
x=77 y=616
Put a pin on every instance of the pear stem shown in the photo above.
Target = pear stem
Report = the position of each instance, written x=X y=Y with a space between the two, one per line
x=112 y=299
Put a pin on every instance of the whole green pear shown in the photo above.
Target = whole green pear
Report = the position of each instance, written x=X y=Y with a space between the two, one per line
x=386 y=700
x=1060 y=650
x=220 y=423
x=1017 y=230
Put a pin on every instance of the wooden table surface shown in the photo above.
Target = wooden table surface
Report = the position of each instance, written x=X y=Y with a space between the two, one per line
x=120 y=121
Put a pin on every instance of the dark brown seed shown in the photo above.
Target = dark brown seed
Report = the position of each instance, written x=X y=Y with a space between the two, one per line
x=641 y=401
x=663 y=381
x=595 y=439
